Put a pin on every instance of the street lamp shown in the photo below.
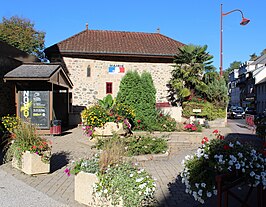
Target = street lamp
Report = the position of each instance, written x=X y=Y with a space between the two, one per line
x=243 y=23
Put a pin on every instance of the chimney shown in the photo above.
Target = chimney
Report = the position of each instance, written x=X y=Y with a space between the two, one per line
x=158 y=30
x=87 y=26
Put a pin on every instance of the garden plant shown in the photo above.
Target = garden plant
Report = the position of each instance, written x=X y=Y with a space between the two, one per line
x=222 y=156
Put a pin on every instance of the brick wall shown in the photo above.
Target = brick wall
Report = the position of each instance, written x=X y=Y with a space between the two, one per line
x=88 y=89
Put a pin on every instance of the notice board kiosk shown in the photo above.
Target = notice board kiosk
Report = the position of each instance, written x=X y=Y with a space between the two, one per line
x=42 y=95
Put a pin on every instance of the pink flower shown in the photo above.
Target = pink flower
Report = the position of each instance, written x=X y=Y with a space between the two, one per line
x=194 y=128
x=67 y=171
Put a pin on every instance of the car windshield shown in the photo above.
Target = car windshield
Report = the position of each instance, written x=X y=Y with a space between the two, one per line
x=238 y=109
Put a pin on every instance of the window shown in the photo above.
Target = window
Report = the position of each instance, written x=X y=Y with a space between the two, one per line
x=89 y=71
x=109 y=87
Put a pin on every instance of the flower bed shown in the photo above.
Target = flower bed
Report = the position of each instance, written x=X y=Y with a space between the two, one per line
x=119 y=183
x=220 y=156
x=137 y=145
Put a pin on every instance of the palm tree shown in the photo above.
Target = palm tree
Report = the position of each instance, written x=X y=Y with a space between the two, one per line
x=191 y=63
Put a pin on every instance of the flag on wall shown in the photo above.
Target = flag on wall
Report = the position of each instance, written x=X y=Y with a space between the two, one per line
x=115 y=69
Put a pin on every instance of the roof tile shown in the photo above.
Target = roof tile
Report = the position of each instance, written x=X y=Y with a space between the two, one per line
x=118 y=42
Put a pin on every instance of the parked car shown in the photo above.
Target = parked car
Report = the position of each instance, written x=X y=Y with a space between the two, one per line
x=236 y=112
x=250 y=111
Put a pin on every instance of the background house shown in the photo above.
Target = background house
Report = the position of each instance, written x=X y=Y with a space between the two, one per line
x=10 y=58
x=96 y=61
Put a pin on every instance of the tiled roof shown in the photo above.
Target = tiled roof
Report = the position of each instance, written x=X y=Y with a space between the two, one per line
x=117 y=43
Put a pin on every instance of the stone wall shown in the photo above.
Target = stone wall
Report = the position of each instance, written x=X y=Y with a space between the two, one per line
x=87 y=90
x=7 y=93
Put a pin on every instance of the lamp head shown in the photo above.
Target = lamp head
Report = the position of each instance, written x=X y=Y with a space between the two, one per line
x=244 y=21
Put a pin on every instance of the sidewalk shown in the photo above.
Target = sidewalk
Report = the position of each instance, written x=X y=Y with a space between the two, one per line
x=14 y=192
x=58 y=188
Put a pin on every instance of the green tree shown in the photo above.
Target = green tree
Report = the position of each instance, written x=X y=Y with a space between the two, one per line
x=130 y=89
x=20 y=33
x=253 y=57
x=263 y=52
x=217 y=92
x=147 y=98
x=139 y=93
x=191 y=63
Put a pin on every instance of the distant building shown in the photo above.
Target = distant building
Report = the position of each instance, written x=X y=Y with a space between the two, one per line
x=97 y=60
x=233 y=89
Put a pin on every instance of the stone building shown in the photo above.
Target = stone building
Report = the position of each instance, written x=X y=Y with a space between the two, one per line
x=96 y=60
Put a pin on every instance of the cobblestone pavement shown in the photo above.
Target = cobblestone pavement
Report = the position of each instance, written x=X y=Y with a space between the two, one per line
x=73 y=145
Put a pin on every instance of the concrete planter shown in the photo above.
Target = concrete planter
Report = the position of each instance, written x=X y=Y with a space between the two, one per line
x=109 y=129
x=84 y=183
x=31 y=164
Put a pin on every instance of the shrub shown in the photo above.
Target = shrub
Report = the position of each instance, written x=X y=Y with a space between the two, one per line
x=208 y=110
x=134 y=145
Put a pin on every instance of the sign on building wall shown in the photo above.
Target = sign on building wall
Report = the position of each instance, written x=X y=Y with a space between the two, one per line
x=34 y=105
x=115 y=69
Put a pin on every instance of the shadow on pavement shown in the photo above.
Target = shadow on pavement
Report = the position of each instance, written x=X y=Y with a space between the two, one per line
x=59 y=160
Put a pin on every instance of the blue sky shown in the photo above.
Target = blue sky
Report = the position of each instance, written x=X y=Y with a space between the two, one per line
x=190 y=21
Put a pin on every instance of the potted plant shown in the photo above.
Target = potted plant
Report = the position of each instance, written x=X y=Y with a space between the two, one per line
x=29 y=152
x=221 y=156
x=110 y=181
x=106 y=118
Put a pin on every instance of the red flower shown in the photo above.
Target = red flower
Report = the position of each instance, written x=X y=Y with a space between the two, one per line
x=34 y=147
x=215 y=131
x=204 y=140
x=193 y=128
x=188 y=126
x=226 y=147
x=161 y=114
x=221 y=137
x=138 y=121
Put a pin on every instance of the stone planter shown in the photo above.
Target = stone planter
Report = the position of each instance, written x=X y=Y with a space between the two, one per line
x=109 y=129
x=84 y=183
x=31 y=164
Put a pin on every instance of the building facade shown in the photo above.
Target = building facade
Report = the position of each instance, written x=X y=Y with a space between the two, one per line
x=97 y=60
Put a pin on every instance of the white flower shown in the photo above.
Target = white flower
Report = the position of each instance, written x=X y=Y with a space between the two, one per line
x=105 y=191
x=240 y=155
x=131 y=175
x=238 y=143
x=209 y=194
x=203 y=185
x=139 y=180
x=197 y=185
x=231 y=144
x=252 y=173
x=142 y=185
x=243 y=170
x=200 y=192
x=215 y=192
x=257 y=177
x=237 y=166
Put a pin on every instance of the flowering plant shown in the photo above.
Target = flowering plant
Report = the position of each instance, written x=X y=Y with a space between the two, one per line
x=25 y=138
x=220 y=156
x=135 y=186
x=191 y=127
x=97 y=116
x=121 y=180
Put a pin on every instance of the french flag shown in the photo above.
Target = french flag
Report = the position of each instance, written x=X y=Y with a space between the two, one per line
x=116 y=69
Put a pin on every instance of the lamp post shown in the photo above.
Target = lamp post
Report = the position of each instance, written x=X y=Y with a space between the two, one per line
x=243 y=23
